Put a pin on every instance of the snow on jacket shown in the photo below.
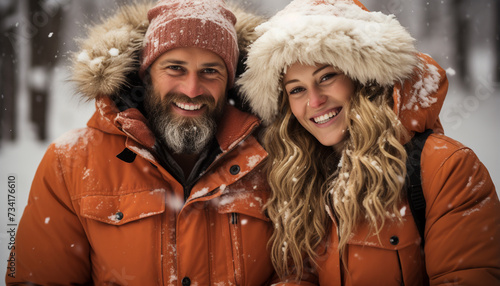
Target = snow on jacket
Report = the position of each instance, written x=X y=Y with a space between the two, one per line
x=103 y=211
x=462 y=230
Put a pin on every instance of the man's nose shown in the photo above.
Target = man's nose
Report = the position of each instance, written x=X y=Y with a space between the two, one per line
x=191 y=86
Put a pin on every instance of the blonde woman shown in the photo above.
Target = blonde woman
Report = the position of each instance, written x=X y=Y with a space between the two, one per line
x=342 y=91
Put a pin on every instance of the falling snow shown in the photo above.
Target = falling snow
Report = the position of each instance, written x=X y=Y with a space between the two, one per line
x=67 y=113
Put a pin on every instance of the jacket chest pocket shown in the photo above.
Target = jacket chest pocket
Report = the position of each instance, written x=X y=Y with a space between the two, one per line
x=394 y=258
x=124 y=234
x=125 y=208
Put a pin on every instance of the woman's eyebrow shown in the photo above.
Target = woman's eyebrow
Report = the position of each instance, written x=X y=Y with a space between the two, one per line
x=314 y=73
x=291 y=81
x=320 y=69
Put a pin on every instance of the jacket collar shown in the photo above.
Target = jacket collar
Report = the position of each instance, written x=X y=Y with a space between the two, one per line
x=232 y=129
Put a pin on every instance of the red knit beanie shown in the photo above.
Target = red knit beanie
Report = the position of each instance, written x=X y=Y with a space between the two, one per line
x=206 y=24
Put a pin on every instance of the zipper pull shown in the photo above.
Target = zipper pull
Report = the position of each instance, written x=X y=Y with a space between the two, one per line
x=234 y=218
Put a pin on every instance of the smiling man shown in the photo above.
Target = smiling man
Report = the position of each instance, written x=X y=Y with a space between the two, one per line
x=186 y=98
x=164 y=186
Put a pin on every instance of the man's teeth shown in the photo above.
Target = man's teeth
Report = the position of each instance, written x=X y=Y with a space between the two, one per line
x=189 y=107
x=325 y=117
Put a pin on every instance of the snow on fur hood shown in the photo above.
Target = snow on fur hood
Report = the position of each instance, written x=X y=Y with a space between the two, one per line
x=111 y=52
x=367 y=46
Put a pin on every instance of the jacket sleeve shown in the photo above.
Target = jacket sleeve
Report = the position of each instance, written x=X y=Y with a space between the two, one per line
x=51 y=246
x=462 y=232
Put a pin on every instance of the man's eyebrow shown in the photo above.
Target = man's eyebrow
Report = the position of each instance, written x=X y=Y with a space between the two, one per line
x=179 y=62
x=213 y=65
x=172 y=62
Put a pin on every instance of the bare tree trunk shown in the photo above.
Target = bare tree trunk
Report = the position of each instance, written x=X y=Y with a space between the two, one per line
x=44 y=53
x=497 y=41
x=461 y=38
x=8 y=72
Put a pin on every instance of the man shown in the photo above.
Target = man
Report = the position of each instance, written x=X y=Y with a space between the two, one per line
x=164 y=186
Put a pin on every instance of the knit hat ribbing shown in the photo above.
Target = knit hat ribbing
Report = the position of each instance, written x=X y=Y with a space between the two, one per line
x=206 y=24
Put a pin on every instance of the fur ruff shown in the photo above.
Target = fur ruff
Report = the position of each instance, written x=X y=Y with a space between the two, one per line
x=367 y=46
x=112 y=49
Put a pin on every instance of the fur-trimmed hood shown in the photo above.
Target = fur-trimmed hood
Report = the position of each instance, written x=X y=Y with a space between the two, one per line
x=110 y=53
x=367 y=46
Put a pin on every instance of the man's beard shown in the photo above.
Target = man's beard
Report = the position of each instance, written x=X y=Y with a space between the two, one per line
x=183 y=134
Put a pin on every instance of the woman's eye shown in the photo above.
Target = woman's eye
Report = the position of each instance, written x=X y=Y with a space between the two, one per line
x=327 y=77
x=296 y=90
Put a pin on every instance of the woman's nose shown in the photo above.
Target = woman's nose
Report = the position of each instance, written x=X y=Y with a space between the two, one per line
x=316 y=98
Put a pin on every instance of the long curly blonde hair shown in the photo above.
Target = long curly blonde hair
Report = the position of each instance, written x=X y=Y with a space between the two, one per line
x=312 y=182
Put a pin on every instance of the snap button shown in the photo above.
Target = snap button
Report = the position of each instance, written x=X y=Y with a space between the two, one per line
x=234 y=170
x=119 y=216
x=394 y=240
x=186 y=281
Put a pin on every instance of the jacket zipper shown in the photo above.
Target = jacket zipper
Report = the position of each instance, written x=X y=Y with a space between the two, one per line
x=162 y=251
x=234 y=218
x=400 y=269
x=237 y=248
x=209 y=242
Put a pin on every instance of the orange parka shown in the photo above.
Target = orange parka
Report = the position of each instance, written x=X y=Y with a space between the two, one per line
x=103 y=210
x=462 y=231
x=462 y=228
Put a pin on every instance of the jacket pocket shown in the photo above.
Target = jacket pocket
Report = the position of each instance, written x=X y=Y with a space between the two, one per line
x=124 y=208
x=395 y=255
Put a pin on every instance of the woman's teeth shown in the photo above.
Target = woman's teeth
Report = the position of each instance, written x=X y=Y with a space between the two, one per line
x=326 y=117
x=189 y=107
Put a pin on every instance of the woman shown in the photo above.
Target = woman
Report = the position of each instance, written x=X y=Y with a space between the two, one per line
x=343 y=90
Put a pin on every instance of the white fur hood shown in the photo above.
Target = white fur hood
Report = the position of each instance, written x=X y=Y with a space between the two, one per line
x=367 y=46
x=110 y=55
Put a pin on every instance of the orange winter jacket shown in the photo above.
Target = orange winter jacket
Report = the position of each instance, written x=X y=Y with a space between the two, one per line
x=104 y=211
x=93 y=218
x=462 y=229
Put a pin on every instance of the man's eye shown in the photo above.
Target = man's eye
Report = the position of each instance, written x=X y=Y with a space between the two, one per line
x=175 y=68
x=209 y=71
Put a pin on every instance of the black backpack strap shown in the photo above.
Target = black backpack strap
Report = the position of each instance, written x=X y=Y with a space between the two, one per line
x=415 y=193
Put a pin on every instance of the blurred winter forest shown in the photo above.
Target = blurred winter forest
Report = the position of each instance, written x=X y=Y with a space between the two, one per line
x=38 y=103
